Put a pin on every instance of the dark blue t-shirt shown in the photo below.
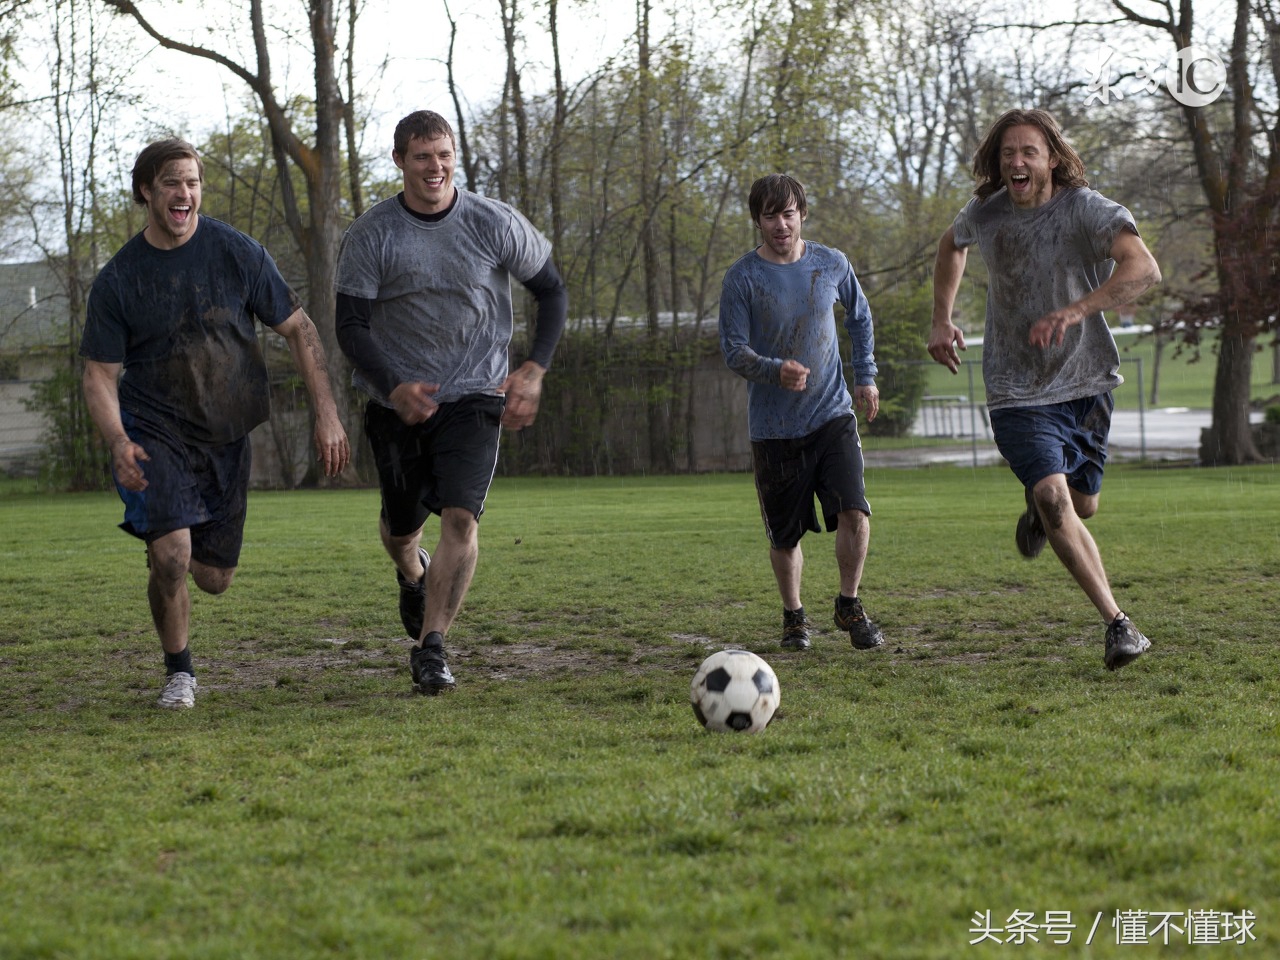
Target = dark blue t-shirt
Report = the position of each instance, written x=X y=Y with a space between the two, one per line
x=182 y=323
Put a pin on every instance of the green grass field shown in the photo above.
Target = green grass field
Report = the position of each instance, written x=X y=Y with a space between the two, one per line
x=564 y=803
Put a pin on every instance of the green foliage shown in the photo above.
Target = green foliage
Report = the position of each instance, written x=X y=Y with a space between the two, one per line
x=1272 y=414
x=72 y=457
x=564 y=802
x=614 y=405
x=901 y=315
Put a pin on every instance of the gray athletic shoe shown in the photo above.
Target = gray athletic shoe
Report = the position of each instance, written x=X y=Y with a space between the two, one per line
x=430 y=673
x=1030 y=535
x=863 y=633
x=1124 y=643
x=795 y=630
x=413 y=598
x=179 y=692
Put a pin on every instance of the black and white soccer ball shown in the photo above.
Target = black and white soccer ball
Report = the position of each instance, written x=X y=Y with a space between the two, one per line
x=734 y=691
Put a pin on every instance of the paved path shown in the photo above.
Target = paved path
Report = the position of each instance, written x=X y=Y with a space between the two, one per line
x=1164 y=433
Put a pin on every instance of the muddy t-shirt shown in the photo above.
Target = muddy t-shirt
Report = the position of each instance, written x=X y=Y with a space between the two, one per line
x=1039 y=261
x=441 y=289
x=772 y=312
x=181 y=322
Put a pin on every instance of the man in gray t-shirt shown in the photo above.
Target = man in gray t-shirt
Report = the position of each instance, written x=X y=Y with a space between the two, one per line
x=425 y=316
x=1058 y=255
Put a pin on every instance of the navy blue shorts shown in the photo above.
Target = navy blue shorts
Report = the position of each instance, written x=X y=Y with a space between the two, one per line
x=445 y=461
x=1068 y=438
x=790 y=473
x=195 y=486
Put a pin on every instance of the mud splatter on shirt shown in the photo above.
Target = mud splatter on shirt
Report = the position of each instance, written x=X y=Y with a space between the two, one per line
x=182 y=323
x=773 y=312
x=1038 y=261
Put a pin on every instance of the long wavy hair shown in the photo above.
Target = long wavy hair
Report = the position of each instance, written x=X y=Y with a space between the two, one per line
x=986 y=159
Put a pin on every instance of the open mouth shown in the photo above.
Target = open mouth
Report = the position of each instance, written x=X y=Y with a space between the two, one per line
x=1020 y=181
x=182 y=214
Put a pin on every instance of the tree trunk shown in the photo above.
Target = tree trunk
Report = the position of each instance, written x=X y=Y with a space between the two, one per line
x=324 y=195
x=1156 y=356
x=1230 y=440
x=660 y=459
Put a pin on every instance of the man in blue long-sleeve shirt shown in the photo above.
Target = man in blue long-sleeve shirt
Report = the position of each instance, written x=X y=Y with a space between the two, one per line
x=778 y=331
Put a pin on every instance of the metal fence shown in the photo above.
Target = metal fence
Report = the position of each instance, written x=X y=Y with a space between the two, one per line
x=952 y=427
x=962 y=417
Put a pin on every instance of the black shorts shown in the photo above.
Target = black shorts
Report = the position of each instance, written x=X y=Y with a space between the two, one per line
x=790 y=473
x=446 y=461
x=195 y=486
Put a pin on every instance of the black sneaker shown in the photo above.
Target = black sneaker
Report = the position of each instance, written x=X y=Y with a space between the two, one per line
x=426 y=663
x=795 y=630
x=1124 y=643
x=413 y=598
x=1030 y=535
x=863 y=633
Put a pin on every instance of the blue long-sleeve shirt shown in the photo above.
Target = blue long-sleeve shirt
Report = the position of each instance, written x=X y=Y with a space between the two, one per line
x=771 y=312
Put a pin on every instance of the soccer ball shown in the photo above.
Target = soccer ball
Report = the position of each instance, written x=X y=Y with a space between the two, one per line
x=734 y=690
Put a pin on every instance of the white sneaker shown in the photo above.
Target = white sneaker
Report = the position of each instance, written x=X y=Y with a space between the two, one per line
x=179 y=692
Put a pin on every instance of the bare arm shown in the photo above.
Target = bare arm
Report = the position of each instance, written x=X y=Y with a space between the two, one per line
x=332 y=447
x=1136 y=271
x=948 y=269
x=102 y=397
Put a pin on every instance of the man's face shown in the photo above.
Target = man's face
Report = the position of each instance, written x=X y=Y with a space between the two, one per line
x=173 y=201
x=780 y=231
x=1026 y=167
x=428 y=174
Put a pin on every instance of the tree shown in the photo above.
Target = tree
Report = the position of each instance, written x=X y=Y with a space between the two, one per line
x=11 y=14
x=317 y=223
x=74 y=228
x=1236 y=151
x=470 y=167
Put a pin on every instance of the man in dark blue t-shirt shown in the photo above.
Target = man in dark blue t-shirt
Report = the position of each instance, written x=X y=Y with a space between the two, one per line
x=174 y=381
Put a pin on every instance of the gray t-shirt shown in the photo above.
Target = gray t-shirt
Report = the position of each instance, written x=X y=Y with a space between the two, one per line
x=441 y=290
x=1039 y=261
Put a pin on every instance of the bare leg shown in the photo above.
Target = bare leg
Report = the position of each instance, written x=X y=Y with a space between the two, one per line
x=403 y=551
x=1061 y=510
x=788 y=565
x=170 y=559
x=452 y=566
x=167 y=593
x=853 y=535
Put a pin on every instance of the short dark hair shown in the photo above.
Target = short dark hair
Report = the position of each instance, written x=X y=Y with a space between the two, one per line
x=775 y=192
x=421 y=125
x=155 y=157
x=986 y=159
